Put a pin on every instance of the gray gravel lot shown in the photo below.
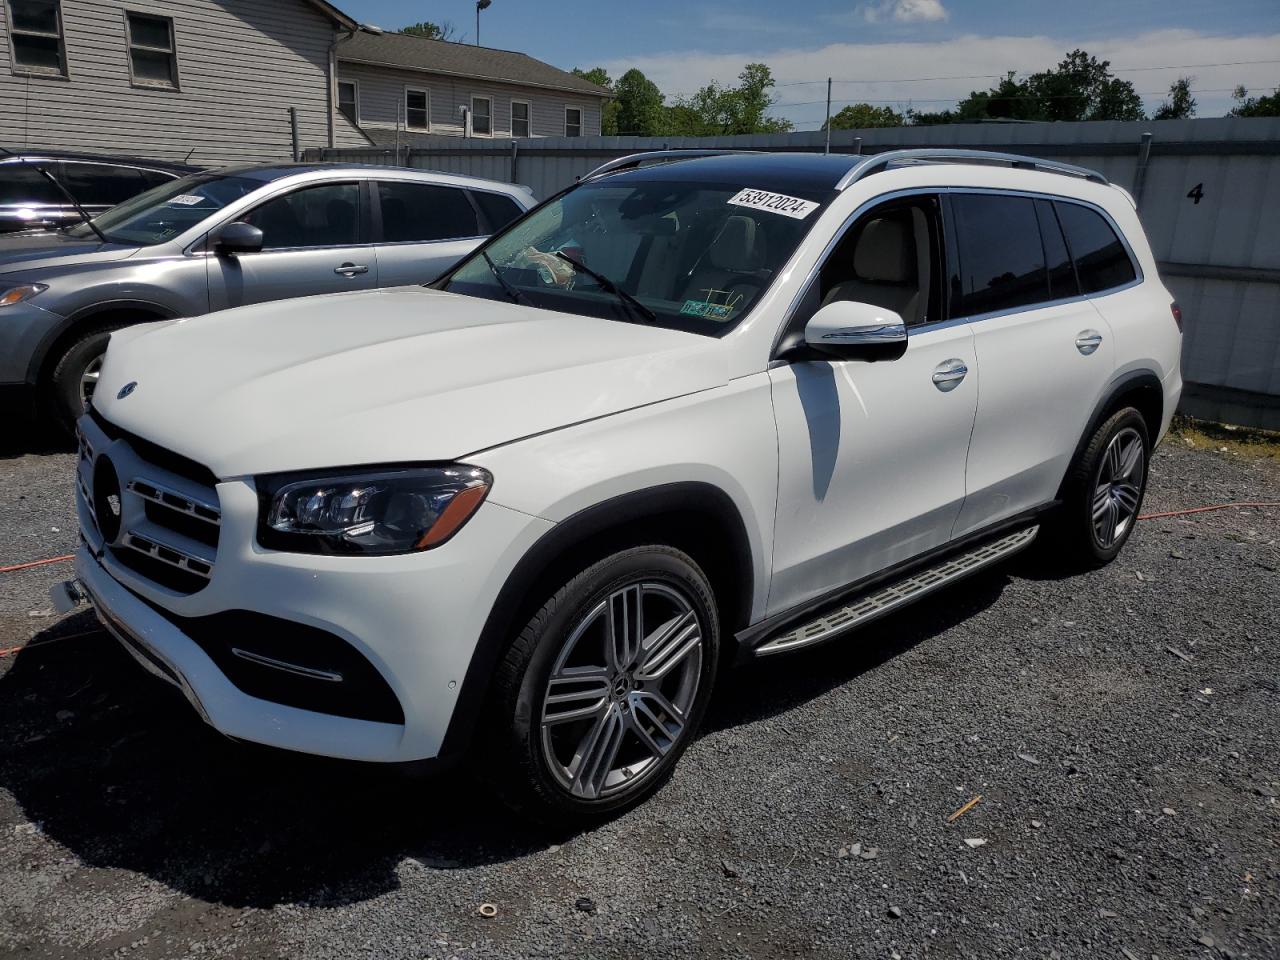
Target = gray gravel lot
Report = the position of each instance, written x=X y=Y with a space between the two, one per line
x=1129 y=792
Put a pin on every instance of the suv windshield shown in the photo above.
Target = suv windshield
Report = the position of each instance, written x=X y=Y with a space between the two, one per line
x=165 y=211
x=686 y=254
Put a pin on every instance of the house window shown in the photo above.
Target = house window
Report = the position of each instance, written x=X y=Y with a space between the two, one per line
x=520 y=118
x=481 y=116
x=347 y=100
x=153 y=58
x=573 y=121
x=36 y=29
x=416 y=109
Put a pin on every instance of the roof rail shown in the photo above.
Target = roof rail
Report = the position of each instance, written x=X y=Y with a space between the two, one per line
x=877 y=162
x=634 y=160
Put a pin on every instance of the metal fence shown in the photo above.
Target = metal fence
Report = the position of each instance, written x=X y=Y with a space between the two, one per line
x=1208 y=193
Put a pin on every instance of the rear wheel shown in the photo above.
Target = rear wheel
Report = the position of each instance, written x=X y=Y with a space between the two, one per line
x=604 y=687
x=1104 y=491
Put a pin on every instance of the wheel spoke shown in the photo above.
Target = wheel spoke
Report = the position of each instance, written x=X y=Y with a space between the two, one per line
x=626 y=627
x=669 y=646
x=1129 y=459
x=596 y=753
x=575 y=693
x=1101 y=499
x=647 y=724
x=1126 y=496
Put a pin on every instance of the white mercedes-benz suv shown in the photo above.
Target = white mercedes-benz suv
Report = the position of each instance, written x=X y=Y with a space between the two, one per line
x=690 y=411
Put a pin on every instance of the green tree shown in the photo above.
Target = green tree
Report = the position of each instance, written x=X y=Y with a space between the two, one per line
x=444 y=30
x=860 y=116
x=1247 y=106
x=609 y=115
x=720 y=110
x=1082 y=87
x=640 y=105
x=1180 y=105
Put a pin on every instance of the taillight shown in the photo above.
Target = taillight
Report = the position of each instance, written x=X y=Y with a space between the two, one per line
x=1177 y=314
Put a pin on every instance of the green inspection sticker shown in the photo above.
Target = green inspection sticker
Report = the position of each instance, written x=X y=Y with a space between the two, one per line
x=706 y=309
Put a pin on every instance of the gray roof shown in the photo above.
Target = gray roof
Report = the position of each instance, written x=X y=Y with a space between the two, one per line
x=462 y=60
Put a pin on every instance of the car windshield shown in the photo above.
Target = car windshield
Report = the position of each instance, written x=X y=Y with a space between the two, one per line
x=165 y=211
x=685 y=254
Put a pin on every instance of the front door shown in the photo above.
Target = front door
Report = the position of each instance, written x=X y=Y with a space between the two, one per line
x=313 y=242
x=872 y=455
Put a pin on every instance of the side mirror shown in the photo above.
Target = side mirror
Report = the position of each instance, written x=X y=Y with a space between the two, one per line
x=238 y=237
x=857 y=331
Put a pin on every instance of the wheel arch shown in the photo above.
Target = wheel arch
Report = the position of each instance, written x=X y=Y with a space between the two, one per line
x=696 y=517
x=86 y=320
x=1140 y=389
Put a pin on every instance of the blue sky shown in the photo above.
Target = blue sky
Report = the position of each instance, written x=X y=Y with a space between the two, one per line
x=892 y=48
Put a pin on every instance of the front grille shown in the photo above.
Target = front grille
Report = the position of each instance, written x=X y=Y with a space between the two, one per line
x=157 y=511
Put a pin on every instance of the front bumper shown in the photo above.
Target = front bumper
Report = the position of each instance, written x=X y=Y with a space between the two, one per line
x=23 y=328
x=416 y=618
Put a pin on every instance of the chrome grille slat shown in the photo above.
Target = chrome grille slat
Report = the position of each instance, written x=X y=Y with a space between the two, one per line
x=156 y=548
x=156 y=492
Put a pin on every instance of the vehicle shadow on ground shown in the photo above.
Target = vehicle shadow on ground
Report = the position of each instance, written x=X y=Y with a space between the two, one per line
x=22 y=433
x=116 y=767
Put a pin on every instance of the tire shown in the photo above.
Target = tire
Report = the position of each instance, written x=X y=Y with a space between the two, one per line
x=552 y=768
x=63 y=399
x=1103 y=493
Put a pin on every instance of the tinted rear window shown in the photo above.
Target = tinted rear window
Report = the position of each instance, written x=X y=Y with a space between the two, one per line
x=101 y=184
x=1001 y=259
x=423 y=212
x=497 y=209
x=1101 y=259
x=20 y=183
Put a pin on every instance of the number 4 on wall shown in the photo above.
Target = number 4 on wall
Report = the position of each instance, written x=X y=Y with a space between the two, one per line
x=1196 y=193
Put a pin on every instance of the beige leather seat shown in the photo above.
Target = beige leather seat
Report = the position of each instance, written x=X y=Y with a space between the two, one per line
x=732 y=262
x=889 y=260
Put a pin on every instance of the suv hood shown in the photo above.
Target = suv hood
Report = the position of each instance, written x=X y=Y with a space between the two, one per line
x=408 y=374
x=41 y=250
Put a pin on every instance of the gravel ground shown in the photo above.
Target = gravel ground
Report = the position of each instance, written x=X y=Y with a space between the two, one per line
x=1120 y=728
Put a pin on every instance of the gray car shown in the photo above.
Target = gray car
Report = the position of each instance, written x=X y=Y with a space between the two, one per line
x=222 y=239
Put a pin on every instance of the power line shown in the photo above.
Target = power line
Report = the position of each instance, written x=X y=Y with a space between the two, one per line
x=1058 y=96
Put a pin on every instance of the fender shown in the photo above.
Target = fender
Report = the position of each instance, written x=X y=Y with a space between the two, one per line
x=574 y=531
x=157 y=311
x=1133 y=380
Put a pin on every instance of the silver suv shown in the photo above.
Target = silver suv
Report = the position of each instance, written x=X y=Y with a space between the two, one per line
x=222 y=239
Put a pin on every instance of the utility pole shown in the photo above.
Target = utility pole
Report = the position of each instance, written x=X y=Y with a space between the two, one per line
x=828 y=123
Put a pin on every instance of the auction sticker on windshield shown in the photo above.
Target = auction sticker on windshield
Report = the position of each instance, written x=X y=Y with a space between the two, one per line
x=792 y=207
x=186 y=200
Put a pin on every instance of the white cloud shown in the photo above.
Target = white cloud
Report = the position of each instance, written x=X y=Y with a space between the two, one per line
x=890 y=72
x=905 y=11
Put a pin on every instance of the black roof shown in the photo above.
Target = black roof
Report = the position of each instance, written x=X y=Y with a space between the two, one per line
x=35 y=154
x=800 y=173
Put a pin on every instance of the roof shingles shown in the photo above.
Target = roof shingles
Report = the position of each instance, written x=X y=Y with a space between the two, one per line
x=463 y=60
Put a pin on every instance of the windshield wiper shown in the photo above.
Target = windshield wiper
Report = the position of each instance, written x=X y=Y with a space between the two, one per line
x=512 y=292
x=62 y=190
x=609 y=285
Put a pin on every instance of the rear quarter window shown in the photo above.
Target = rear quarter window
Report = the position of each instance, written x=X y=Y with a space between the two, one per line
x=1102 y=262
x=497 y=209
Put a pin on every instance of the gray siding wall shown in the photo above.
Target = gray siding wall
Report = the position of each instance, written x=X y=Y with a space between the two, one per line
x=241 y=65
x=381 y=95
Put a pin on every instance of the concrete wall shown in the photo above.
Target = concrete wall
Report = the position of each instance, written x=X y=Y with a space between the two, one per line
x=1220 y=256
x=241 y=65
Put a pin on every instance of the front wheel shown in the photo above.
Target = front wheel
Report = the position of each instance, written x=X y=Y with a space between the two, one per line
x=604 y=688
x=74 y=378
x=1104 y=491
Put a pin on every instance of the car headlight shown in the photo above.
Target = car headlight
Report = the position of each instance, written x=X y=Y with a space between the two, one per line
x=17 y=294
x=391 y=510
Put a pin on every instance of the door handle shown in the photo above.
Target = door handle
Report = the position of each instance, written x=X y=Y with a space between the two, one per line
x=948 y=374
x=350 y=269
x=1088 y=341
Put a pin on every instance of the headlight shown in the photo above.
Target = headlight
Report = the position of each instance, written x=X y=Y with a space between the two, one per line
x=11 y=295
x=378 y=512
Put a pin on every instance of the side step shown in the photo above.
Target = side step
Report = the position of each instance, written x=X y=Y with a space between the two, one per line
x=899 y=593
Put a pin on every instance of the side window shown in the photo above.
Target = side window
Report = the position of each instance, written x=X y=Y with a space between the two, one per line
x=327 y=215
x=889 y=258
x=497 y=209
x=23 y=184
x=101 y=184
x=423 y=212
x=1062 y=274
x=154 y=178
x=1101 y=259
x=1001 y=259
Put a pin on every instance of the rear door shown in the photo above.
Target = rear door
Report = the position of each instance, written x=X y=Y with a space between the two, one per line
x=1045 y=352
x=425 y=228
x=315 y=240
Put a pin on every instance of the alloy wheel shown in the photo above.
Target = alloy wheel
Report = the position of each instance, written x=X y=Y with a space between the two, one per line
x=89 y=380
x=1118 y=490
x=621 y=690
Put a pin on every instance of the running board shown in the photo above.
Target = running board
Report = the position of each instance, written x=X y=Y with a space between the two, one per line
x=882 y=600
